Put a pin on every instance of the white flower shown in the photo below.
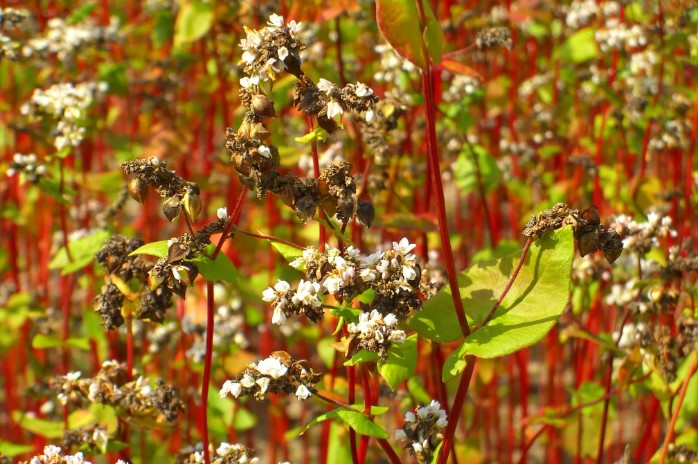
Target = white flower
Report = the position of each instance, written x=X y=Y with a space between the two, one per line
x=248 y=57
x=302 y=392
x=247 y=381
x=73 y=376
x=362 y=90
x=334 y=109
x=279 y=316
x=264 y=151
x=325 y=86
x=400 y=435
x=282 y=53
x=52 y=450
x=263 y=383
x=332 y=284
x=409 y=273
x=230 y=387
x=223 y=449
x=369 y=116
x=222 y=213
x=272 y=367
x=404 y=247
x=248 y=82
x=269 y=295
x=276 y=20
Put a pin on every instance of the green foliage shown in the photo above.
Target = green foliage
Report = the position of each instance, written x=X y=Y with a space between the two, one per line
x=354 y=419
x=82 y=252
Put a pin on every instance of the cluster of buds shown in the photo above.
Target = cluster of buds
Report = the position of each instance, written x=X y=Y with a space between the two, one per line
x=268 y=52
x=65 y=104
x=589 y=233
x=423 y=430
x=580 y=13
x=278 y=373
x=111 y=387
x=91 y=436
x=641 y=237
x=27 y=166
x=178 y=193
x=65 y=40
x=377 y=135
x=226 y=453
x=52 y=455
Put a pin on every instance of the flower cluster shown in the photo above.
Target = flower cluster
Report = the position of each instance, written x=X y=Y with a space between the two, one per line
x=392 y=66
x=52 y=455
x=423 y=430
x=111 y=387
x=278 y=373
x=580 y=13
x=66 y=104
x=65 y=40
x=272 y=50
x=374 y=332
x=28 y=166
x=641 y=237
x=226 y=453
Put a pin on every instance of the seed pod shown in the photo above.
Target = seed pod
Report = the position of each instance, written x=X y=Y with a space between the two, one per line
x=172 y=208
x=138 y=189
x=365 y=212
x=262 y=106
x=192 y=205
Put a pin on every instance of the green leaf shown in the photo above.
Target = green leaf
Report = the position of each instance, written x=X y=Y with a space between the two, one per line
x=79 y=14
x=401 y=362
x=465 y=170
x=579 y=47
x=355 y=419
x=158 y=249
x=81 y=343
x=41 y=341
x=220 y=269
x=194 y=20
x=362 y=424
x=433 y=35
x=11 y=450
x=398 y=21
x=366 y=297
x=244 y=419
x=361 y=357
x=82 y=252
x=45 y=428
x=163 y=30
x=51 y=187
x=287 y=251
x=318 y=134
x=530 y=308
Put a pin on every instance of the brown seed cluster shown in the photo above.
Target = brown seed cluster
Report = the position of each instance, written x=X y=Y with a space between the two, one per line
x=589 y=233
x=267 y=53
x=179 y=194
x=90 y=437
x=169 y=275
x=497 y=36
x=140 y=402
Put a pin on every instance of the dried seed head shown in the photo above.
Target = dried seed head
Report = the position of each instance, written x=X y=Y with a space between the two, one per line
x=192 y=205
x=138 y=189
x=365 y=212
x=172 y=208
x=262 y=106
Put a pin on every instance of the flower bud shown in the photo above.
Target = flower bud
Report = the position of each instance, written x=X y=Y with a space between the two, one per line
x=138 y=189
x=262 y=106
x=365 y=212
x=172 y=208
